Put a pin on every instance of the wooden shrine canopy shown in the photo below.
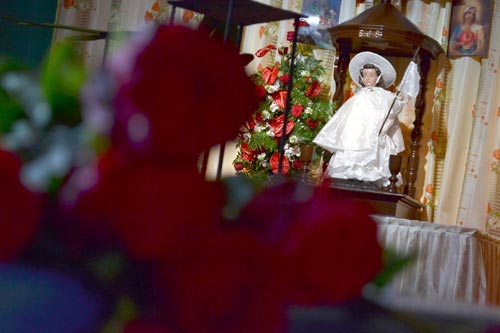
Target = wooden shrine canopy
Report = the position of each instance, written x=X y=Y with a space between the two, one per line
x=383 y=29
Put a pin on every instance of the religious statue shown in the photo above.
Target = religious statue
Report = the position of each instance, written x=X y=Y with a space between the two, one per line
x=365 y=131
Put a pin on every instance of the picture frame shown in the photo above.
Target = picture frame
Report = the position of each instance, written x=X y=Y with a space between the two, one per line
x=470 y=28
x=326 y=12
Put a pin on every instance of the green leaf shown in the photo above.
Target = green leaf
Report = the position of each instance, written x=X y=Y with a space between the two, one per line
x=62 y=77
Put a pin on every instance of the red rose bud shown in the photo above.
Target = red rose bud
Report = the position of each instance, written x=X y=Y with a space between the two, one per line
x=238 y=166
x=297 y=110
x=260 y=91
x=289 y=36
x=284 y=78
x=297 y=164
x=312 y=123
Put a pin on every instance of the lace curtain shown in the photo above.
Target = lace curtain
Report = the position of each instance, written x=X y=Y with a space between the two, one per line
x=461 y=135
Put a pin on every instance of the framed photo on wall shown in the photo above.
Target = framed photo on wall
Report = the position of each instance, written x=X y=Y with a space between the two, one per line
x=325 y=13
x=470 y=28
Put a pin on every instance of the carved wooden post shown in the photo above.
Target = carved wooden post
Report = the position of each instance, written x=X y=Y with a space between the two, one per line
x=341 y=73
x=416 y=134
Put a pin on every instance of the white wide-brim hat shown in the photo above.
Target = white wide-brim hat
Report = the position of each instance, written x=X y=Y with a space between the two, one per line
x=363 y=58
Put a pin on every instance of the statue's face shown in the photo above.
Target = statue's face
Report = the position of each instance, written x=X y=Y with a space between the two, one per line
x=369 y=77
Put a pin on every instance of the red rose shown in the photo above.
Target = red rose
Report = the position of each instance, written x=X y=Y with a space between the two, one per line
x=162 y=104
x=297 y=110
x=312 y=124
x=313 y=90
x=284 y=78
x=297 y=164
x=260 y=92
x=20 y=209
x=289 y=36
x=274 y=163
x=238 y=166
x=277 y=125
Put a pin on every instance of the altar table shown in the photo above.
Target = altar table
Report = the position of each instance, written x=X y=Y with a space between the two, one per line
x=449 y=264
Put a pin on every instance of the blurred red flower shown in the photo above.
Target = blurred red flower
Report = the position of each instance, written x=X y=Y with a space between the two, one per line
x=297 y=164
x=238 y=166
x=20 y=209
x=228 y=282
x=330 y=239
x=145 y=326
x=151 y=205
x=335 y=249
x=183 y=83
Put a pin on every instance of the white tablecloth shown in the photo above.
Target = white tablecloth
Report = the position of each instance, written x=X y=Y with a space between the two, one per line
x=449 y=263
